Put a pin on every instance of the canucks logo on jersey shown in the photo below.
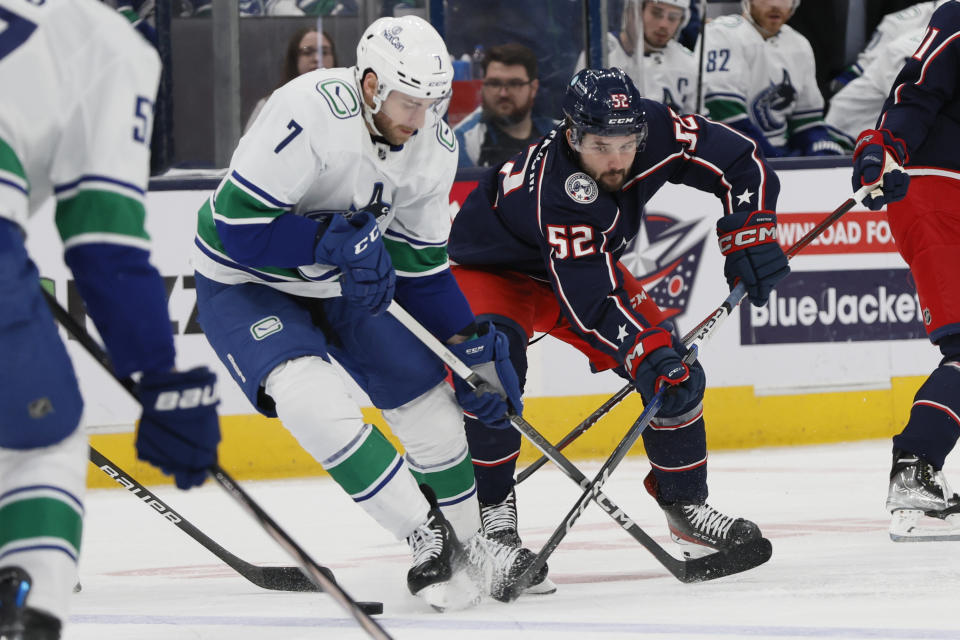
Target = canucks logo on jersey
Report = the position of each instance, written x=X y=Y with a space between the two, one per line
x=771 y=104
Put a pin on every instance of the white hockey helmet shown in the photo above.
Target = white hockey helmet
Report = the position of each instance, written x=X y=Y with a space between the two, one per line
x=746 y=6
x=408 y=55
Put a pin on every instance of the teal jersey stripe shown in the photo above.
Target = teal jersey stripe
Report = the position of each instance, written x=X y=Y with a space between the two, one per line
x=45 y=517
x=100 y=212
x=448 y=483
x=207 y=231
x=798 y=124
x=361 y=469
x=415 y=260
x=234 y=203
x=10 y=162
x=724 y=110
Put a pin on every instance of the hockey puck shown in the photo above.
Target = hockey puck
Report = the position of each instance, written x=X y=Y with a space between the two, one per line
x=371 y=608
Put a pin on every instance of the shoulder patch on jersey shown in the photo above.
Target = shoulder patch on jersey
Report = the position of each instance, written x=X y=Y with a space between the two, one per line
x=446 y=136
x=342 y=99
x=581 y=188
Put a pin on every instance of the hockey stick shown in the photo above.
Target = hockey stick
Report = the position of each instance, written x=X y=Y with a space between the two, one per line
x=618 y=397
x=742 y=557
x=690 y=570
x=276 y=578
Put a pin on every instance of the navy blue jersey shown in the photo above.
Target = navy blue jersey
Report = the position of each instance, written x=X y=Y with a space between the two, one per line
x=923 y=107
x=540 y=214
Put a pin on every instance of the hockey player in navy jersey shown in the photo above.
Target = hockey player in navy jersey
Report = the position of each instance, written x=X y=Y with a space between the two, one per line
x=537 y=246
x=75 y=122
x=918 y=130
x=336 y=200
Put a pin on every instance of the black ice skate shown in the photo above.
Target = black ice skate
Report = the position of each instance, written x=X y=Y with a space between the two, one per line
x=921 y=505
x=496 y=566
x=700 y=524
x=438 y=572
x=499 y=524
x=17 y=620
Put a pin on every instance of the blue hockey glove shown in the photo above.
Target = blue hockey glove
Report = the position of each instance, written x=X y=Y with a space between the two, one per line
x=355 y=245
x=878 y=160
x=651 y=362
x=179 y=429
x=749 y=242
x=489 y=356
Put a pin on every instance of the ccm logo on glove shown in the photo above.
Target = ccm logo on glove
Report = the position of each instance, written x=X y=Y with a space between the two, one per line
x=361 y=246
x=187 y=399
x=762 y=231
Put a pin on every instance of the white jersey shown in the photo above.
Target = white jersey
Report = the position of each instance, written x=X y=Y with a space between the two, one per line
x=893 y=26
x=772 y=82
x=668 y=76
x=83 y=127
x=857 y=105
x=308 y=152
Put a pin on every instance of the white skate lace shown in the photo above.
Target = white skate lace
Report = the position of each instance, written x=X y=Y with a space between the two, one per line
x=425 y=543
x=499 y=517
x=941 y=479
x=488 y=552
x=709 y=520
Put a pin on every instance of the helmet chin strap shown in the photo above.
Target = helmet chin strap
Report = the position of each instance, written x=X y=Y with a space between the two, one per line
x=368 y=111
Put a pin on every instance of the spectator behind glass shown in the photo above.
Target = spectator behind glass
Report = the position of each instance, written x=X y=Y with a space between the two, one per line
x=759 y=77
x=300 y=58
x=502 y=125
x=665 y=70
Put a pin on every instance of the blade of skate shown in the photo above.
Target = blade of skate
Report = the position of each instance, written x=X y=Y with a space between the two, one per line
x=912 y=525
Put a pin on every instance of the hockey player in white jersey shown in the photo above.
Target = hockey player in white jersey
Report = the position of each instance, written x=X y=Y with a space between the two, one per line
x=665 y=69
x=857 y=105
x=759 y=78
x=75 y=122
x=892 y=27
x=336 y=200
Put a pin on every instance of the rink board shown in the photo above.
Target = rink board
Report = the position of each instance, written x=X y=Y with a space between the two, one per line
x=837 y=356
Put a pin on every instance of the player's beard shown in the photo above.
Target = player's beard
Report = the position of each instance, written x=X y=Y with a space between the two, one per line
x=612 y=180
x=507 y=118
x=390 y=129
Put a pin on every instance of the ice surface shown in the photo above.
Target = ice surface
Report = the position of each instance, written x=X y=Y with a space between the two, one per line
x=834 y=572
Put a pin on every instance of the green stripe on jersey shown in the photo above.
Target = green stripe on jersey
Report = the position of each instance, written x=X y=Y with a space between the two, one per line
x=725 y=110
x=409 y=259
x=92 y=211
x=797 y=124
x=448 y=483
x=10 y=162
x=207 y=230
x=232 y=202
x=30 y=518
x=361 y=469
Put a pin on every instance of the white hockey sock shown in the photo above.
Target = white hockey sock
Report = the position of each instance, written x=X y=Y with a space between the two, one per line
x=314 y=405
x=41 y=518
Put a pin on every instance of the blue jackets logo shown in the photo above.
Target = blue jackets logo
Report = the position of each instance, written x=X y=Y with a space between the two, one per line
x=581 y=188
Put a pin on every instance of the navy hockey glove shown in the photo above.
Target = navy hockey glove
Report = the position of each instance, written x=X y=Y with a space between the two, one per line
x=651 y=362
x=749 y=242
x=355 y=245
x=878 y=160
x=179 y=429
x=489 y=356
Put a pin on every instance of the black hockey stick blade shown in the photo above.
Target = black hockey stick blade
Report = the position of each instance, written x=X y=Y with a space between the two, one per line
x=740 y=558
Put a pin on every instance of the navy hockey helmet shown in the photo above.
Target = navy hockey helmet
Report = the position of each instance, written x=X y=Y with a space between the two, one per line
x=604 y=102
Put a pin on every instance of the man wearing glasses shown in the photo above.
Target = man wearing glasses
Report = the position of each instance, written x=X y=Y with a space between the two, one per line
x=537 y=247
x=503 y=124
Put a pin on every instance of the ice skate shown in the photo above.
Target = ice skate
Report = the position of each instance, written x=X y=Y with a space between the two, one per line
x=17 y=620
x=496 y=566
x=438 y=574
x=921 y=505
x=500 y=525
x=701 y=529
